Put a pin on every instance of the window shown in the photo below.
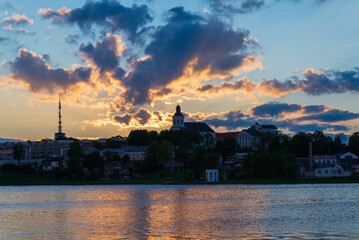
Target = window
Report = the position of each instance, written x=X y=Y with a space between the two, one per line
x=326 y=171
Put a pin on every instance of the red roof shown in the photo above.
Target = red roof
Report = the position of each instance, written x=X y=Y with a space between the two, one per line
x=226 y=135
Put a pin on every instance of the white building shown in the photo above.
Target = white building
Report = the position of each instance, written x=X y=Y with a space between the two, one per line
x=328 y=172
x=248 y=137
x=212 y=175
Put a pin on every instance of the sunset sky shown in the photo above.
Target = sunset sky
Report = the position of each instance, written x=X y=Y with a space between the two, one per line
x=123 y=65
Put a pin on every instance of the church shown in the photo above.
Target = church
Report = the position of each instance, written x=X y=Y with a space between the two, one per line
x=180 y=124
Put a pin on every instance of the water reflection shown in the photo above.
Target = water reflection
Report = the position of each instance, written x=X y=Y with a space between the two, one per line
x=180 y=212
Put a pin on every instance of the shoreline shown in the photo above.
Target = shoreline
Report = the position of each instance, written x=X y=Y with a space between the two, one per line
x=156 y=182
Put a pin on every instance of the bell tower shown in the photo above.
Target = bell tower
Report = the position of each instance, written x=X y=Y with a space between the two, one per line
x=178 y=119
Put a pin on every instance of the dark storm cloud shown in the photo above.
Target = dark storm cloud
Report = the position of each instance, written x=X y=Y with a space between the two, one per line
x=230 y=120
x=264 y=113
x=34 y=71
x=142 y=116
x=103 y=53
x=72 y=39
x=315 y=83
x=184 y=38
x=107 y=13
x=273 y=109
x=314 y=109
x=332 y=115
x=276 y=87
x=125 y=119
x=295 y=127
x=242 y=84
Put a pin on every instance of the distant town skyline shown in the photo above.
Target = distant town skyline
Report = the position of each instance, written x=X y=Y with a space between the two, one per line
x=124 y=65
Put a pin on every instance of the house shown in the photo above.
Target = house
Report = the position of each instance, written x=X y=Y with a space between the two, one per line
x=349 y=158
x=335 y=171
x=136 y=153
x=247 y=138
x=173 y=166
x=324 y=160
x=222 y=136
x=179 y=124
x=110 y=168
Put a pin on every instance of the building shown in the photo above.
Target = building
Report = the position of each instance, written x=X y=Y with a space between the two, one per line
x=178 y=123
x=222 y=136
x=324 y=160
x=212 y=175
x=335 y=171
x=136 y=153
x=248 y=138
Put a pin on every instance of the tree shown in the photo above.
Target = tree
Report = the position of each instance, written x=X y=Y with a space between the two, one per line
x=75 y=154
x=139 y=137
x=228 y=147
x=19 y=152
x=152 y=156
x=299 y=144
x=209 y=142
x=354 y=143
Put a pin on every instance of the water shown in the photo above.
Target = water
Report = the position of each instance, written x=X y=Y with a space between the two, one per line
x=304 y=211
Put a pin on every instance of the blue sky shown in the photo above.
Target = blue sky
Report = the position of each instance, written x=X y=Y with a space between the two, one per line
x=221 y=60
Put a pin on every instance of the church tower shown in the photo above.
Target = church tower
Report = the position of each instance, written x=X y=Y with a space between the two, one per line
x=59 y=135
x=178 y=119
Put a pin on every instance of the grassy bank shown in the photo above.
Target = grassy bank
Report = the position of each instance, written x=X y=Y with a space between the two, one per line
x=19 y=178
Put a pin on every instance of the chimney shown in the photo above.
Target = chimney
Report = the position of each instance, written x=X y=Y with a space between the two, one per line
x=310 y=156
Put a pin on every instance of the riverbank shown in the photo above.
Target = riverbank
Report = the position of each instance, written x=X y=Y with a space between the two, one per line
x=22 y=179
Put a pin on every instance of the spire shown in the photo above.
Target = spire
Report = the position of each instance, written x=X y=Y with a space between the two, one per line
x=178 y=109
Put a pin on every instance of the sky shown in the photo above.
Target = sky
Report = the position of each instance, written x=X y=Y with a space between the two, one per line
x=124 y=65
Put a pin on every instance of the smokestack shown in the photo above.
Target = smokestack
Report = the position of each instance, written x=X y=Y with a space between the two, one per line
x=310 y=156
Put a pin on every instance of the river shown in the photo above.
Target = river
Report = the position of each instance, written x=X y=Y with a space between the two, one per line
x=302 y=211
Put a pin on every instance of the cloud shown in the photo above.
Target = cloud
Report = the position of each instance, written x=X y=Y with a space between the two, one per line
x=142 y=116
x=243 y=85
x=207 y=48
x=311 y=127
x=34 y=71
x=286 y=117
x=109 y=14
x=104 y=54
x=332 y=115
x=17 y=20
x=124 y=119
x=24 y=31
x=314 y=83
x=240 y=7
x=4 y=39
x=274 y=109
x=72 y=39
x=277 y=88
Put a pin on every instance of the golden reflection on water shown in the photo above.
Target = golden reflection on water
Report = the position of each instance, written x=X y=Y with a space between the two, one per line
x=174 y=212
